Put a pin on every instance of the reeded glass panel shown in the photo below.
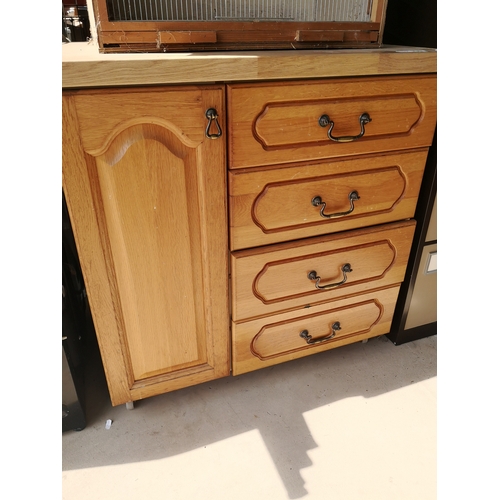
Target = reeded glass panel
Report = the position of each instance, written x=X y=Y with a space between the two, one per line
x=240 y=10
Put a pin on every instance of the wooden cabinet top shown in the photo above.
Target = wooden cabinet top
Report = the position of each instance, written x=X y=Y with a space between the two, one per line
x=83 y=66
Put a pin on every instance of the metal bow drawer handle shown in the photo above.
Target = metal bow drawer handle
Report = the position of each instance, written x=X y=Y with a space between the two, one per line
x=346 y=268
x=308 y=338
x=212 y=116
x=317 y=201
x=324 y=121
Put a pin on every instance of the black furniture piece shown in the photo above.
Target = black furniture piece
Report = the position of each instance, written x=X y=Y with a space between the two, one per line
x=414 y=23
x=74 y=332
x=415 y=315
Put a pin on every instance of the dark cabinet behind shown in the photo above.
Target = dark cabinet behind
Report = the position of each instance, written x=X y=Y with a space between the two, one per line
x=414 y=23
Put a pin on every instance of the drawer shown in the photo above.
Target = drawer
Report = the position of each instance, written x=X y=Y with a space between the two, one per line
x=277 y=278
x=275 y=339
x=280 y=122
x=274 y=205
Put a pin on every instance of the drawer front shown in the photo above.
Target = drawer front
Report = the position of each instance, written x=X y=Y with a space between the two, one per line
x=280 y=122
x=275 y=339
x=270 y=206
x=278 y=278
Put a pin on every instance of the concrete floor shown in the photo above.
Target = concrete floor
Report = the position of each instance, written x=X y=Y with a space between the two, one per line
x=353 y=423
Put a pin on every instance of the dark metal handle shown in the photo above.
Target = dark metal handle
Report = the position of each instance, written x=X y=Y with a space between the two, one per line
x=308 y=338
x=324 y=121
x=346 y=268
x=212 y=116
x=317 y=201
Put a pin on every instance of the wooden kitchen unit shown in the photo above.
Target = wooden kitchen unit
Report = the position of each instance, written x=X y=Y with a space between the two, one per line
x=229 y=220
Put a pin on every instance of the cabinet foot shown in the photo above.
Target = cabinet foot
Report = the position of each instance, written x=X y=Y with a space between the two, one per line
x=364 y=341
x=129 y=405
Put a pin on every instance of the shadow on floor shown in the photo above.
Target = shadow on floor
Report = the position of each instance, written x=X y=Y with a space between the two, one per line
x=272 y=400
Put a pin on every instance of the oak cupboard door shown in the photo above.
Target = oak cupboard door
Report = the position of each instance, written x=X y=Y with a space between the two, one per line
x=146 y=192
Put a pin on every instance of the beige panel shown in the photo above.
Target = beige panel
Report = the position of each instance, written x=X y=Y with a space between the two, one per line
x=423 y=306
x=432 y=229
